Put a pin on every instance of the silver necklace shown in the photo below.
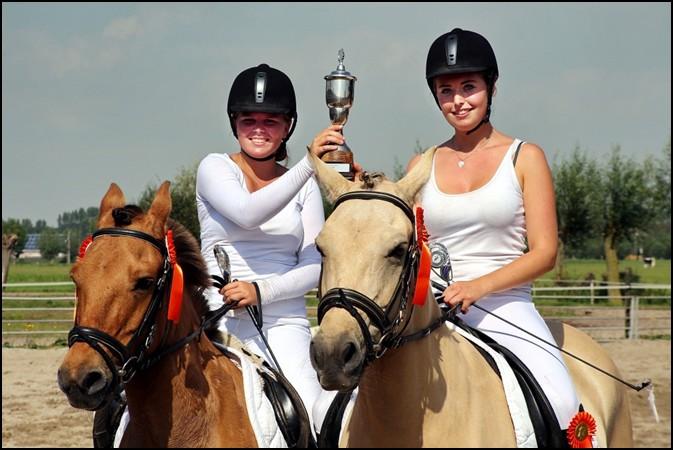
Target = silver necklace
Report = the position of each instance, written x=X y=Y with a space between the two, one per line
x=461 y=161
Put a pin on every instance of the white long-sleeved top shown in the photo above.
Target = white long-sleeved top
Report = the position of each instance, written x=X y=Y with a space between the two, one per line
x=269 y=235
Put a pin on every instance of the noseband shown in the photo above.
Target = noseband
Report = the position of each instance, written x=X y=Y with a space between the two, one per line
x=391 y=321
x=141 y=341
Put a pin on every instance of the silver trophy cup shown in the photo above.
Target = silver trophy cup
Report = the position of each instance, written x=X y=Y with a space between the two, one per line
x=339 y=98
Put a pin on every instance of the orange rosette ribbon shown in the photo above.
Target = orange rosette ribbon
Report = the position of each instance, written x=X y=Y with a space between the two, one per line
x=177 y=281
x=425 y=264
x=582 y=428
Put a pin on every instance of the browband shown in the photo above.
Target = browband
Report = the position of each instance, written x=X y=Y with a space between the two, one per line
x=159 y=244
x=375 y=195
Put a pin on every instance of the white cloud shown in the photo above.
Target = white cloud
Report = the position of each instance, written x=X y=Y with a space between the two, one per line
x=123 y=28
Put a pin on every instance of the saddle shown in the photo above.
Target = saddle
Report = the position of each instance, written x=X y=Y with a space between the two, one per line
x=291 y=416
x=548 y=433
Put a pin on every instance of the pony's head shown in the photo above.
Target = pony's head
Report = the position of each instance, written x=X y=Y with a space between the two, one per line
x=369 y=263
x=124 y=277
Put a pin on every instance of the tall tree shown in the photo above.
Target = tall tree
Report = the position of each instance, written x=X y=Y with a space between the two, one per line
x=51 y=243
x=183 y=197
x=628 y=207
x=75 y=226
x=577 y=209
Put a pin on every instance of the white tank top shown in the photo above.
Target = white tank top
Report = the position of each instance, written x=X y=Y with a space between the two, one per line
x=484 y=229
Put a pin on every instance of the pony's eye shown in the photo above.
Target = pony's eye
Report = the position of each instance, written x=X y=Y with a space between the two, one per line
x=397 y=252
x=144 y=284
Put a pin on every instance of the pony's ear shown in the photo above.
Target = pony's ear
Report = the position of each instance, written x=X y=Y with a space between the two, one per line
x=113 y=198
x=160 y=209
x=412 y=182
x=333 y=183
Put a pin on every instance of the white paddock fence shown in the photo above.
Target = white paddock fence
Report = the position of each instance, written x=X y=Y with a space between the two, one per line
x=644 y=310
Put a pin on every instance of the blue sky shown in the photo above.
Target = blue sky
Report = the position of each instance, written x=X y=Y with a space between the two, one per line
x=133 y=92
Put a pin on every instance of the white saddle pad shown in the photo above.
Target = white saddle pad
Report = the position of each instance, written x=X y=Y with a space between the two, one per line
x=523 y=427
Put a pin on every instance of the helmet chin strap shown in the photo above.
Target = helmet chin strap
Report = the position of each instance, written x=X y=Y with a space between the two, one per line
x=483 y=121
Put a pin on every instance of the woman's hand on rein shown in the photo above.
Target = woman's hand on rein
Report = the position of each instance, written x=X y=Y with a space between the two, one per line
x=465 y=292
x=327 y=140
x=239 y=291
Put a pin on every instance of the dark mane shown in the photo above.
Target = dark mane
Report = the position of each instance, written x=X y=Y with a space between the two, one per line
x=186 y=248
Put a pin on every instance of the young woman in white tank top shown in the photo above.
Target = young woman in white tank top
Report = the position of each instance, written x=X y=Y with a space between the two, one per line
x=490 y=200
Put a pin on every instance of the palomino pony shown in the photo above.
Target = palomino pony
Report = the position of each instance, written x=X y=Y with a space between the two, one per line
x=420 y=383
x=181 y=391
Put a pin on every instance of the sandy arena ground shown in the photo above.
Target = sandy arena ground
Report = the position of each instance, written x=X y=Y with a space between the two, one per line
x=36 y=414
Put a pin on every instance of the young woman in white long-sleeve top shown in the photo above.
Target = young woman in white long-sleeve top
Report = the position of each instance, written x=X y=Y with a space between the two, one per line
x=266 y=217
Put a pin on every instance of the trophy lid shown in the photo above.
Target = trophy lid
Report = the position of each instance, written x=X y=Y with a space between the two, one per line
x=340 y=72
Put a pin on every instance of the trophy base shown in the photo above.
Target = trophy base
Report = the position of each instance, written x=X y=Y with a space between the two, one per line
x=341 y=160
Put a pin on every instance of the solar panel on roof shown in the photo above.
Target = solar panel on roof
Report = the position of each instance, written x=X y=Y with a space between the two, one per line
x=32 y=242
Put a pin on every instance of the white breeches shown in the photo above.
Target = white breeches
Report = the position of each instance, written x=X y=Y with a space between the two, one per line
x=289 y=339
x=545 y=362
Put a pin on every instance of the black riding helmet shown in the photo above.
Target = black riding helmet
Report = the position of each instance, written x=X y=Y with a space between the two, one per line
x=462 y=51
x=262 y=89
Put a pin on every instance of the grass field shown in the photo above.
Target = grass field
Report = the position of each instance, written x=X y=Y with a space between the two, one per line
x=23 y=319
x=579 y=269
x=575 y=270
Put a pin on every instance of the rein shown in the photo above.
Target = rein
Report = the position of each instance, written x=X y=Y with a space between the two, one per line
x=391 y=321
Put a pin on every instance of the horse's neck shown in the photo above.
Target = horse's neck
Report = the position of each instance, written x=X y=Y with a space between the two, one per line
x=166 y=397
x=434 y=391
x=411 y=364
x=182 y=396
x=423 y=316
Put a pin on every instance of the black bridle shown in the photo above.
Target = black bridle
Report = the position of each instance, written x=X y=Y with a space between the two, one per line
x=134 y=356
x=392 y=320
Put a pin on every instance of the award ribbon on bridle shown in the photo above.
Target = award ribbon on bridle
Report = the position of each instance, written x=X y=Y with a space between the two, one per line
x=177 y=281
x=425 y=263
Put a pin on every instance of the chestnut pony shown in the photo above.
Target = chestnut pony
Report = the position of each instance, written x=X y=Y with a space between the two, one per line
x=420 y=383
x=181 y=391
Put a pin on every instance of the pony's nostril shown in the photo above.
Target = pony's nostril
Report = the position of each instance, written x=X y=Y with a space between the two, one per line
x=93 y=382
x=349 y=352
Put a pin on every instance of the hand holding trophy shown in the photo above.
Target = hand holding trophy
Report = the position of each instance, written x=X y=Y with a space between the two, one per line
x=339 y=99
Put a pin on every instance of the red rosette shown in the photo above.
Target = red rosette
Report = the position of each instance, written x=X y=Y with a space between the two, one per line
x=177 y=281
x=582 y=428
x=170 y=246
x=423 y=275
x=422 y=235
x=84 y=246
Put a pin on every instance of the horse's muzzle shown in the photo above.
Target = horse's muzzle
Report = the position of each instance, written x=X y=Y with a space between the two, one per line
x=338 y=361
x=85 y=388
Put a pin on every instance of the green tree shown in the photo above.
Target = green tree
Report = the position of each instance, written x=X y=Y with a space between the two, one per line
x=51 y=243
x=75 y=226
x=575 y=181
x=628 y=207
x=183 y=197
x=656 y=239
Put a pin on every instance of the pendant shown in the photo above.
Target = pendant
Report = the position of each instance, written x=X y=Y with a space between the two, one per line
x=461 y=163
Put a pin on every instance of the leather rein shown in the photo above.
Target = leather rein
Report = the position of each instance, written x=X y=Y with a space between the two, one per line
x=393 y=319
